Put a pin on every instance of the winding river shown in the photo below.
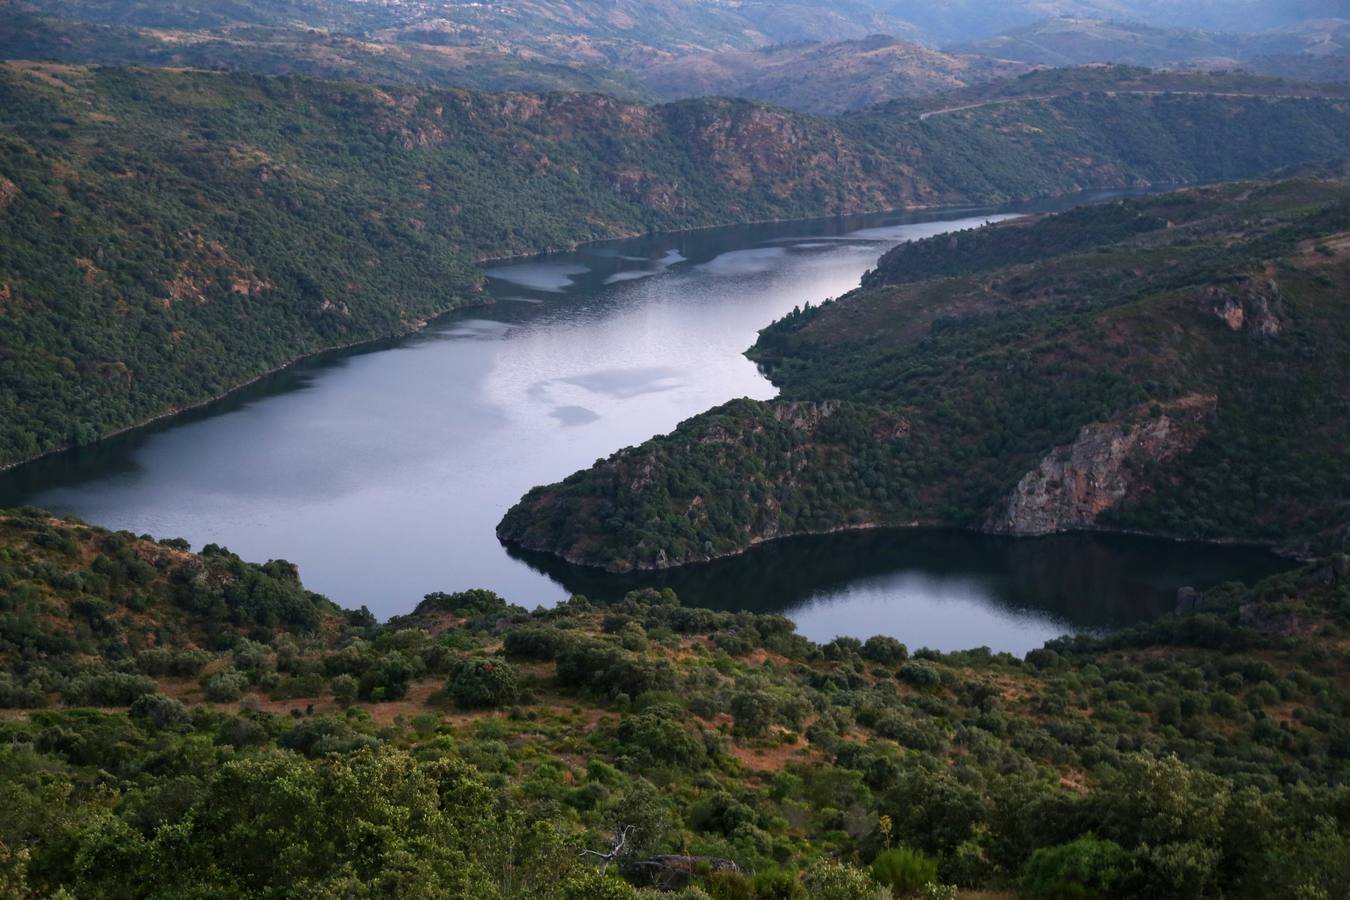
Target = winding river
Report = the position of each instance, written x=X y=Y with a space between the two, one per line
x=383 y=471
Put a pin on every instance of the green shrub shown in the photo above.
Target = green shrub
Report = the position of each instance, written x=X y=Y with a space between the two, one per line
x=345 y=689
x=225 y=687
x=532 y=643
x=919 y=675
x=886 y=650
x=1086 y=867
x=107 y=689
x=829 y=880
x=158 y=711
x=778 y=884
x=903 y=870
x=484 y=684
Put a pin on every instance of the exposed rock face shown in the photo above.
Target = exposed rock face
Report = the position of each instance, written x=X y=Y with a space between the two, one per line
x=1075 y=484
x=1252 y=306
x=8 y=191
x=205 y=261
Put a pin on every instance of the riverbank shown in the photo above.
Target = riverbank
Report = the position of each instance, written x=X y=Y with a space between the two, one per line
x=483 y=298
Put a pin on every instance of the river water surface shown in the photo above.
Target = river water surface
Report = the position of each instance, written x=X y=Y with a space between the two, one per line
x=383 y=472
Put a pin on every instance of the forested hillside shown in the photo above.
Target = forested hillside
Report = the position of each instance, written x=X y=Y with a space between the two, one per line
x=166 y=236
x=1173 y=364
x=178 y=724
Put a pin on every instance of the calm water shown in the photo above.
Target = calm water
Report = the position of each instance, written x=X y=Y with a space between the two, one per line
x=383 y=472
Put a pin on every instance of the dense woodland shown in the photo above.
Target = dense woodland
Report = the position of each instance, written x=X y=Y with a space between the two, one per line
x=168 y=235
x=189 y=724
x=180 y=724
x=925 y=396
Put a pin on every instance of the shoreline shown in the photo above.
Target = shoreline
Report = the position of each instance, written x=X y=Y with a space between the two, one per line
x=169 y=414
x=200 y=404
x=1271 y=547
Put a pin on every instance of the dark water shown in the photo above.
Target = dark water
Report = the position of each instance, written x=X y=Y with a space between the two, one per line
x=383 y=472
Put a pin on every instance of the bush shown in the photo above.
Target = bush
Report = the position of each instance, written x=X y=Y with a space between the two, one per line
x=388 y=678
x=778 y=884
x=225 y=687
x=107 y=689
x=158 y=711
x=829 y=880
x=1086 y=867
x=658 y=736
x=919 y=675
x=345 y=689
x=584 y=883
x=14 y=695
x=166 y=661
x=532 y=643
x=904 y=871
x=611 y=670
x=484 y=684
x=886 y=650
x=753 y=711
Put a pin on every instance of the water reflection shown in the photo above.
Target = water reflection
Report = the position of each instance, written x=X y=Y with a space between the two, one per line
x=946 y=589
x=383 y=471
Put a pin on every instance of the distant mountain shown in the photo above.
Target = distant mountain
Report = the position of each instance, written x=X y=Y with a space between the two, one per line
x=270 y=50
x=823 y=78
x=662 y=25
x=1314 y=49
x=957 y=21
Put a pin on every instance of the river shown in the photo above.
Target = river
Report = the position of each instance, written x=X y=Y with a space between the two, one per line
x=383 y=471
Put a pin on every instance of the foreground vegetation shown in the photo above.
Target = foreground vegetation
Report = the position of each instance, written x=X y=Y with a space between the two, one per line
x=183 y=724
x=166 y=236
x=1172 y=364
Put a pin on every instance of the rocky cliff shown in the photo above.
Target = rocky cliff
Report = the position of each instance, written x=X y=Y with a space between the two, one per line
x=1174 y=365
x=1076 y=483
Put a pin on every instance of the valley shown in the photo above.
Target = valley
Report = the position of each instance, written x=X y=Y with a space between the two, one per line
x=1113 y=366
x=166 y=211
x=674 y=449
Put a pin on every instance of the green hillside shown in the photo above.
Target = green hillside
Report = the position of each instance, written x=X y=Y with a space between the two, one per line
x=166 y=236
x=1173 y=364
x=189 y=725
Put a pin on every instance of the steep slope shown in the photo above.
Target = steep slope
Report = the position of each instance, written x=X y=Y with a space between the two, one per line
x=823 y=78
x=157 y=704
x=166 y=236
x=1173 y=364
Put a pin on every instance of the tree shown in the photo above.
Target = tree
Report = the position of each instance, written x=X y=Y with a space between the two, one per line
x=158 y=711
x=484 y=684
x=1086 y=867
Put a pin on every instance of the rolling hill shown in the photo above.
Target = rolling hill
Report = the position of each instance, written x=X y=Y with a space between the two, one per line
x=822 y=78
x=1316 y=49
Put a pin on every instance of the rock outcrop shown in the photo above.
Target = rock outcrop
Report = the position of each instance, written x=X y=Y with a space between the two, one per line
x=1076 y=483
x=1253 y=306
